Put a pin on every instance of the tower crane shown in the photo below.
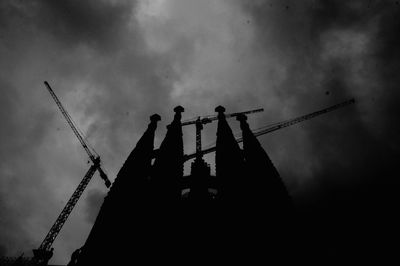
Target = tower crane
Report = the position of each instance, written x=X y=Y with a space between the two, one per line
x=276 y=126
x=200 y=121
x=43 y=254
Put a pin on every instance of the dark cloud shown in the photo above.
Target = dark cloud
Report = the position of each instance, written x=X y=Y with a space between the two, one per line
x=349 y=50
x=99 y=24
x=114 y=63
x=20 y=169
x=95 y=59
x=329 y=60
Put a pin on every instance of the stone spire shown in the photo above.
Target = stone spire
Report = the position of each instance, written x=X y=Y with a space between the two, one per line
x=263 y=179
x=228 y=159
x=124 y=214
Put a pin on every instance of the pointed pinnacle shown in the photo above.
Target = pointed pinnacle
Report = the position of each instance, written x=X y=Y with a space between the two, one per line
x=179 y=109
x=220 y=109
x=155 y=118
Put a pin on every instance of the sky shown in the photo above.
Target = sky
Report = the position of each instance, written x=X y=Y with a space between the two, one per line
x=113 y=63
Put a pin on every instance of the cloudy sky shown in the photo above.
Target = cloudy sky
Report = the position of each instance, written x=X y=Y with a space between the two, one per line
x=113 y=63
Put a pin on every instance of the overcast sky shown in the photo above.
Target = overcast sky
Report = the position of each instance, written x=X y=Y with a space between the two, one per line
x=113 y=63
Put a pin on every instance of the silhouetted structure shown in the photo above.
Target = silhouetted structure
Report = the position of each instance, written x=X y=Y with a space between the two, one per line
x=168 y=166
x=269 y=212
x=229 y=162
x=169 y=218
x=145 y=218
x=42 y=256
x=74 y=257
x=16 y=261
x=199 y=224
x=264 y=185
x=125 y=213
x=167 y=171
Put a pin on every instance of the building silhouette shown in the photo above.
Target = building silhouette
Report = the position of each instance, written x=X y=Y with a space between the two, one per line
x=239 y=215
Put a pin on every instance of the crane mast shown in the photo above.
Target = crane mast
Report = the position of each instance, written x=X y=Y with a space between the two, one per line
x=270 y=128
x=56 y=228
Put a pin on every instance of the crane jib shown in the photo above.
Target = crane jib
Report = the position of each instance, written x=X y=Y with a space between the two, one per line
x=70 y=121
x=94 y=158
x=209 y=119
x=278 y=126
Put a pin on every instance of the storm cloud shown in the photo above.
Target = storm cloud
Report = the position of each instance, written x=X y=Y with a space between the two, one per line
x=114 y=63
